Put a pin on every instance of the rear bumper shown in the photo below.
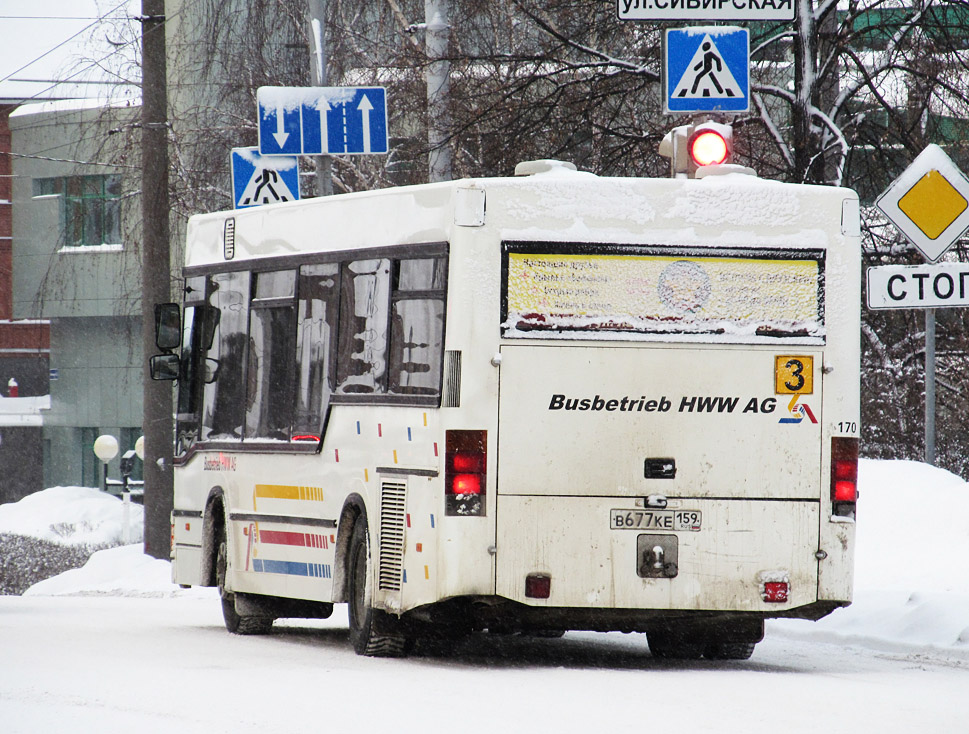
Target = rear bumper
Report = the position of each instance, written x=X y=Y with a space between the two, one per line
x=504 y=615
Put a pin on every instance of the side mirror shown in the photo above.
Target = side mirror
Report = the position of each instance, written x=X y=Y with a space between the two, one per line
x=168 y=326
x=164 y=367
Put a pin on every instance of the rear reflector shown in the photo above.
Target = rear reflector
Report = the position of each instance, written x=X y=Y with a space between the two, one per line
x=844 y=475
x=465 y=472
x=538 y=586
x=775 y=591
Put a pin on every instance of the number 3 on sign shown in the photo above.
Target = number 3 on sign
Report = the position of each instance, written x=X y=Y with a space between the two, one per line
x=793 y=375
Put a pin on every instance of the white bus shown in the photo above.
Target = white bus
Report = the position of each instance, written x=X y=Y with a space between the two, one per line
x=534 y=404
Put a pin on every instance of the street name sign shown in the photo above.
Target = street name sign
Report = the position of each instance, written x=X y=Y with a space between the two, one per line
x=258 y=180
x=942 y=285
x=322 y=120
x=706 y=69
x=929 y=203
x=751 y=10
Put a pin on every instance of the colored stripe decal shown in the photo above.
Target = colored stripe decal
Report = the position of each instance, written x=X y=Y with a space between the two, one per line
x=293 y=568
x=288 y=492
x=284 y=537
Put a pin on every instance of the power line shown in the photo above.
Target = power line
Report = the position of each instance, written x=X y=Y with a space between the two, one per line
x=51 y=50
x=47 y=17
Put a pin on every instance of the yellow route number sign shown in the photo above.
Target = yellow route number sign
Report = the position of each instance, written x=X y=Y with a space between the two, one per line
x=793 y=375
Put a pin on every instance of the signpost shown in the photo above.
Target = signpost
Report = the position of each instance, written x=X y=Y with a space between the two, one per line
x=322 y=120
x=750 y=10
x=706 y=69
x=942 y=285
x=258 y=180
x=929 y=205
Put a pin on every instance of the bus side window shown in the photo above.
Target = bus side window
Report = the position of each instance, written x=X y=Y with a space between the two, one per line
x=316 y=347
x=364 y=311
x=417 y=327
x=223 y=401
x=270 y=394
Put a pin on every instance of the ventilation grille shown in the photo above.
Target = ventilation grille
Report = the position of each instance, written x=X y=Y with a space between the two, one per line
x=452 y=380
x=393 y=499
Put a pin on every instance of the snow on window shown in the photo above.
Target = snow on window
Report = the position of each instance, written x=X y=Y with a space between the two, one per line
x=581 y=291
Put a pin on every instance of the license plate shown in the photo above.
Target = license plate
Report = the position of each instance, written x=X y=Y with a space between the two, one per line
x=673 y=520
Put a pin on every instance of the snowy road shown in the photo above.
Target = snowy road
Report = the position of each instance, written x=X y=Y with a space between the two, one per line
x=116 y=664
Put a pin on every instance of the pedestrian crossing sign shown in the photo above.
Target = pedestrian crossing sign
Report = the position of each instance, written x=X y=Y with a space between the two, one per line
x=706 y=69
x=258 y=179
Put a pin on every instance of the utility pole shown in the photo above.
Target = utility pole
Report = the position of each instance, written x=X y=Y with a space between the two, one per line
x=316 y=19
x=155 y=276
x=438 y=86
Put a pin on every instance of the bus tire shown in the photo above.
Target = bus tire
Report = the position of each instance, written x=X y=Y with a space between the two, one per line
x=668 y=647
x=234 y=622
x=729 y=651
x=368 y=626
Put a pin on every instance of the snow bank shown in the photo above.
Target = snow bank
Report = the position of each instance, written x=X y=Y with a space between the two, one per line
x=72 y=516
x=911 y=585
x=120 y=571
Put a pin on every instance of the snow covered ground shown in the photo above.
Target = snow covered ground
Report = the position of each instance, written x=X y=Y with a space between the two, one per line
x=911 y=584
x=115 y=647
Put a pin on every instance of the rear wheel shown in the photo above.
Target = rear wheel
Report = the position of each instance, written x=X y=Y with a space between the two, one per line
x=729 y=651
x=371 y=630
x=669 y=647
x=234 y=622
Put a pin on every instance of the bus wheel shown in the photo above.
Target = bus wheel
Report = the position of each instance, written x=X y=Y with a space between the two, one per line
x=368 y=626
x=729 y=651
x=235 y=622
x=667 y=647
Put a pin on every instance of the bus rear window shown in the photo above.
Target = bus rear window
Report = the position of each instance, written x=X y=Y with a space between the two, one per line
x=619 y=292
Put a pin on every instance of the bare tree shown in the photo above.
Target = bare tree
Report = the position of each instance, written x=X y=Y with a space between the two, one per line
x=847 y=94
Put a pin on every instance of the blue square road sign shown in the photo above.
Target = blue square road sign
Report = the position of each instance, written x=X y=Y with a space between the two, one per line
x=322 y=120
x=706 y=69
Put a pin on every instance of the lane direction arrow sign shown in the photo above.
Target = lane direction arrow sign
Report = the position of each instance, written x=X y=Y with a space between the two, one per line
x=317 y=120
x=706 y=69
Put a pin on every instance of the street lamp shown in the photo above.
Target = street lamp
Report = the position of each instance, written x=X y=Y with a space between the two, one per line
x=105 y=448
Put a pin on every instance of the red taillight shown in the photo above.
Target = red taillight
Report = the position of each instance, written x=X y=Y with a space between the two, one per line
x=466 y=484
x=844 y=475
x=468 y=462
x=465 y=472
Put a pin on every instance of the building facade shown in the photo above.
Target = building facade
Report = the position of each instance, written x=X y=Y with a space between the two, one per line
x=76 y=265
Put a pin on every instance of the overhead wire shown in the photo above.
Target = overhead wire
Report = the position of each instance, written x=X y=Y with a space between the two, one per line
x=66 y=40
x=95 y=63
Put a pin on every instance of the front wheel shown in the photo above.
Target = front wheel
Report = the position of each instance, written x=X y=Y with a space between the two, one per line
x=234 y=622
x=370 y=629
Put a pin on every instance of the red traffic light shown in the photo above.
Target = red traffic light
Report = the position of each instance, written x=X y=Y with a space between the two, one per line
x=708 y=147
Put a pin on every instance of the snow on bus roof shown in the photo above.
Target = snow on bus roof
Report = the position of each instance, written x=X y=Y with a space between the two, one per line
x=558 y=204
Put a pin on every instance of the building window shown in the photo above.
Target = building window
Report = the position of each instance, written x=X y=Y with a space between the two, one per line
x=91 y=208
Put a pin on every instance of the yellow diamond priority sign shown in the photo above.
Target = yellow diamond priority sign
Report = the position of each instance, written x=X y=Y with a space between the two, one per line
x=929 y=203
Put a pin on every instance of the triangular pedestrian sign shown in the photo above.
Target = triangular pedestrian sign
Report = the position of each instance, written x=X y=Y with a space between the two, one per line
x=265 y=186
x=707 y=75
